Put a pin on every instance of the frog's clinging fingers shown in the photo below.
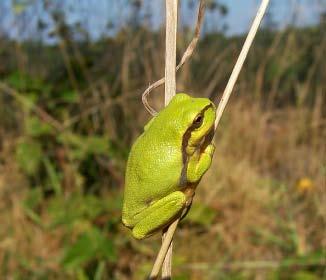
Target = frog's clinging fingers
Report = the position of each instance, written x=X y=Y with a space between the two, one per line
x=159 y=214
x=198 y=166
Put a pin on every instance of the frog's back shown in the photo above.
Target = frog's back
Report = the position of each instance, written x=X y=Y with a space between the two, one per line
x=153 y=170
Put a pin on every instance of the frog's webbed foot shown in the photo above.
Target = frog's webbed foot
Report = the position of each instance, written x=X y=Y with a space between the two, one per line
x=198 y=165
x=159 y=214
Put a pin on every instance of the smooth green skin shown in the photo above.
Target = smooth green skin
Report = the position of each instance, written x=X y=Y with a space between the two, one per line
x=160 y=167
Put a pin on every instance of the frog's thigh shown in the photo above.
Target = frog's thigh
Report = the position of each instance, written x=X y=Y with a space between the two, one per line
x=159 y=214
x=197 y=167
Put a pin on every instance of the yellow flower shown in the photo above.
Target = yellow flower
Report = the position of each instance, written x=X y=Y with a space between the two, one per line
x=305 y=184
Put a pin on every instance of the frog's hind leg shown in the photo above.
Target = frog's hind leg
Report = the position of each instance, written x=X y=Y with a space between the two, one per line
x=159 y=214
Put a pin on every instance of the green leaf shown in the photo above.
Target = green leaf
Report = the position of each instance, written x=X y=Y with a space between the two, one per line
x=26 y=83
x=69 y=96
x=74 y=207
x=100 y=271
x=34 y=198
x=34 y=127
x=29 y=155
x=83 y=250
x=92 y=245
x=81 y=275
x=97 y=145
x=92 y=206
x=107 y=249
x=304 y=275
x=53 y=176
x=62 y=211
x=114 y=201
x=33 y=216
x=85 y=145
x=201 y=214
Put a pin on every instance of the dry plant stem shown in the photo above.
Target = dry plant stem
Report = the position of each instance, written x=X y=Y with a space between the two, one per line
x=167 y=262
x=187 y=54
x=243 y=54
x=171 y=10
x=163 y=250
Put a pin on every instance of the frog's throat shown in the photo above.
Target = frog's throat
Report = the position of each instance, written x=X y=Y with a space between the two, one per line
x=199 y=146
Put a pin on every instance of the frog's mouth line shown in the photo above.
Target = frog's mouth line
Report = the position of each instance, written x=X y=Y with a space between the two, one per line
x=206 y=139
x=201 y=146
x=203 y=142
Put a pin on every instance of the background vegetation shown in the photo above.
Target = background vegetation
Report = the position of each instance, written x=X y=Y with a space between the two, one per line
x=71 y=110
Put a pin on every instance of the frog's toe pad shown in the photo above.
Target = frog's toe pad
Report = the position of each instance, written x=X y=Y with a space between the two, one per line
x=138 y=234
x=210 y=149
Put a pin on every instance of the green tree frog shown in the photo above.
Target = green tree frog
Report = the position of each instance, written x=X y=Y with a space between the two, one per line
x=166 y=163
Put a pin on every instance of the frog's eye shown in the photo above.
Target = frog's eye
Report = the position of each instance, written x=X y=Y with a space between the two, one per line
x=198 y=121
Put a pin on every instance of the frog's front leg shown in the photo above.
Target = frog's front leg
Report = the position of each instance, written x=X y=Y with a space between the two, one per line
x=159 y=214
x=198 y=164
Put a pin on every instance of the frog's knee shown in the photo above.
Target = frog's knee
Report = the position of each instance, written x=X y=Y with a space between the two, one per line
x=163 y=212
x=178 y=198
x=127 y=222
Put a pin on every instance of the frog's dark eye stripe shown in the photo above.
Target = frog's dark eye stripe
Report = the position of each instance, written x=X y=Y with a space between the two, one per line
x=198 y=121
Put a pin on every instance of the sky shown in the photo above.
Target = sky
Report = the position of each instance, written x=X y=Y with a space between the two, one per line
x=103 y=17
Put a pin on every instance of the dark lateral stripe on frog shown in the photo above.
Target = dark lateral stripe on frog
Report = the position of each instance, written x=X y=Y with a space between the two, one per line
x=185 y=140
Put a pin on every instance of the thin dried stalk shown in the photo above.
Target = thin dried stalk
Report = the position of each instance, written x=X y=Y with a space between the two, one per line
x=167 y=263
x=163 y=250
x=187 y=54
x=243 y=54
x=170 y=48
x=170 y=90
